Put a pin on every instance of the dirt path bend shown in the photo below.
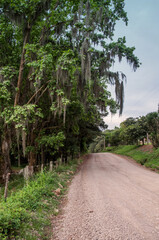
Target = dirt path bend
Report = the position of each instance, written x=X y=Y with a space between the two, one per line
x=110 y=198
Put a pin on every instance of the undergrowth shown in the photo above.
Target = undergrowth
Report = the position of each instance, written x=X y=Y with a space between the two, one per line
x=26 y=214
x=149 y=159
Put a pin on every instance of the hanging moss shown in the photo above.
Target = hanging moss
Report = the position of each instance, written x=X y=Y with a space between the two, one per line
x=85 y=62
x=24 y=141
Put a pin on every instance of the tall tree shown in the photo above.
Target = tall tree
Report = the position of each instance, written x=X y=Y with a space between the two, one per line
x=153 y=127
x=61 y=53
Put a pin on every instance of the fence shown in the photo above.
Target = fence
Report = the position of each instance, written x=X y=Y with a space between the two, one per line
x=28 y=171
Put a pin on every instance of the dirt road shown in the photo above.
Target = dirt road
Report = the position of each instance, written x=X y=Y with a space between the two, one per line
x=110 y=198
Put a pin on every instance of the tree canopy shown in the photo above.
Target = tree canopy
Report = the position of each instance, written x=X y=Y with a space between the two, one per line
x=55 y=61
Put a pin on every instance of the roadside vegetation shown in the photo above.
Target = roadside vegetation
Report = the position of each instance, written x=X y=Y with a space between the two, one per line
x=133 y=131
x=27 y=212
x=56 y=61
x=54 y=77
x=136 y=137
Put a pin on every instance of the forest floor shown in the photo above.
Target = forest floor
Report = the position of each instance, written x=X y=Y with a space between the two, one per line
x=110 y=198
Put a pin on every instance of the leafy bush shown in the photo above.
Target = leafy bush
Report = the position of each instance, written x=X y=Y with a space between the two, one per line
x=110 y=149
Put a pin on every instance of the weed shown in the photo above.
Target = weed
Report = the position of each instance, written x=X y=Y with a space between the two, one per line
x=27 y=211
x=149 y=159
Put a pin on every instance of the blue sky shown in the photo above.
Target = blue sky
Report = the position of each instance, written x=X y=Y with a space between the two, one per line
x=142 y=88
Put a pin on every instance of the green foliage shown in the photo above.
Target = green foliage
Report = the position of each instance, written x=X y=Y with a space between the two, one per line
x=23 y=115
x=131 y=131
x=16 y=183
x=97 y=145
x=53 y=142
x=121 y=50
x=148 y=158
x=123 y=150
x=153 y=160
x=7 y=74
x=54 y=77
x=134 y=130
x=110 y=149
x=134 y=152
x=9 y=47
x=26 y=210
x=153 y=126
x=4 y=93
x=112 y=137
x=43 y=63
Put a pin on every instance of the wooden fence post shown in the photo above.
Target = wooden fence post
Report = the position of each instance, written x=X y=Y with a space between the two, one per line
x=57 y=163
x=28 y=172
x=6 y=187
x=42 y=167
x=51 y=166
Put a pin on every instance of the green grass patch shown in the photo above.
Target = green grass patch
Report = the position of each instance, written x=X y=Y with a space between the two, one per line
x=26 y=214
x=16 y=182
x=149 y=159
x=125 y=150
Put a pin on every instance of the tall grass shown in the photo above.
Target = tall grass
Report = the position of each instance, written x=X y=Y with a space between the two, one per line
x=149 y=159
x=25 y=215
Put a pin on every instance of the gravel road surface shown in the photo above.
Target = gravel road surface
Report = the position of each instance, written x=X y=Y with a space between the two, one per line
x=110 y=198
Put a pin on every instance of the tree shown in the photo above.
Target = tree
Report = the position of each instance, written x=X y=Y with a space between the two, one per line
x=133 y=130
x=153 y=127
x=142 y=128
x=56 y=78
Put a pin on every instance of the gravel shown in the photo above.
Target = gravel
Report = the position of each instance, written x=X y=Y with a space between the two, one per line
x=110 y=198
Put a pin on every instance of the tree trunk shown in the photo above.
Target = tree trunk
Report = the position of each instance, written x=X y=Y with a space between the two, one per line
x=19 y=162
x=1 y=169
x=32 y=155
x=21 y=68
x=6 y=186
x=32 y=158
x=6 y=151
x=42 y=155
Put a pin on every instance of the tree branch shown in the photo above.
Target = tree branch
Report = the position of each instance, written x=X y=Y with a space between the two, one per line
x=35 y=94
x=41 y=94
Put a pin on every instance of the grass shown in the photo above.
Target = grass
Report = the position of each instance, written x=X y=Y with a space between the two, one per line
x=16 y=183
x=148 y=159
x=26 y=214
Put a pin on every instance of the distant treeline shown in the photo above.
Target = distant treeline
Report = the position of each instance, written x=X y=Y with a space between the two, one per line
x=132 y=131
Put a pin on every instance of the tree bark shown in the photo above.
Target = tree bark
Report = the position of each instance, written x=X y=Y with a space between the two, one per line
x=32 y=158
x=1 y=169
x=6 y=187
x=42 y=156
x=21 y=68
x=6 y=151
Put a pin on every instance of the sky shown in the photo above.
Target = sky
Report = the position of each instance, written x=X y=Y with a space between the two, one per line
x=142 y=87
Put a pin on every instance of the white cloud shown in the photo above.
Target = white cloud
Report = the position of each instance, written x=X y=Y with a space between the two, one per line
x=141 y=91
x=114 y=121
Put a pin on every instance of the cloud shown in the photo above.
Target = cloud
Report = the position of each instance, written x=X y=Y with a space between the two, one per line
x=142 y=88
x=114 y=121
